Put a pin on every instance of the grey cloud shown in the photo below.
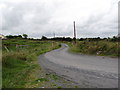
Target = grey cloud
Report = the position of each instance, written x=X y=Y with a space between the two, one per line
x=15 y=20
x=98 y=26
x=37 y=19
x=14 y=17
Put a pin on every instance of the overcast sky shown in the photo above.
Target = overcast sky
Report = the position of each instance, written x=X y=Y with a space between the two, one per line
x=94 y=18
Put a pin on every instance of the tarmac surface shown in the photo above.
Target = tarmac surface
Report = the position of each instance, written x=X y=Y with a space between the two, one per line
x=84 y=70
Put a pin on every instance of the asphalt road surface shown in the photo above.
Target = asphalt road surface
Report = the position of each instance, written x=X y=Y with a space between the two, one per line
x=86 y=71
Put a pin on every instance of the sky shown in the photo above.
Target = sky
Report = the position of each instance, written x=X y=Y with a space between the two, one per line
x=94 y=18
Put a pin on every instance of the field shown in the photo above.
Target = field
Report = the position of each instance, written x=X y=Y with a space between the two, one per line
x=20 y=68
x=19 y=62
x=101 y=48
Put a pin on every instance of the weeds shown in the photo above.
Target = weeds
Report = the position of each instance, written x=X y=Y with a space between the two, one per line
x=104 y=48
x=19 y=66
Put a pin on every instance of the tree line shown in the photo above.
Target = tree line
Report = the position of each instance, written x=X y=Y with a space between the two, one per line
x=25 y=36
x=17 y=36
x=114 y=39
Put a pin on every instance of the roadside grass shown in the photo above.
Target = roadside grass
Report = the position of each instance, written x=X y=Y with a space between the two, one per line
x=20 y=66
x=101 y=48
x=52 y=76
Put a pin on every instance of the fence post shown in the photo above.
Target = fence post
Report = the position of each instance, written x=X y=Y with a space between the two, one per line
x=6 y=49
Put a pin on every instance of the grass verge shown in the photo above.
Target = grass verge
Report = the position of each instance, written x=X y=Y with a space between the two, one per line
x=101 y=48
x=19 y=66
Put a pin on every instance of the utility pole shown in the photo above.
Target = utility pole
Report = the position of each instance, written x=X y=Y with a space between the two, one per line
x=74 y=32
x=54 y=35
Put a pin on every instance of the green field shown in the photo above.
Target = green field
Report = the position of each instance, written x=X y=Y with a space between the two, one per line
x=20 y=67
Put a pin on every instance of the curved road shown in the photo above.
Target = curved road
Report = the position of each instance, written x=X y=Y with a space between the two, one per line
x=86 y=71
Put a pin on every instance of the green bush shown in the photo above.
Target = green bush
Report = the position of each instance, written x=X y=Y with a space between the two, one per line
x=97 y=48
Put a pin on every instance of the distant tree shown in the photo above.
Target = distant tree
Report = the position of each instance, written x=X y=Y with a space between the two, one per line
x=15 y=36
x=19 y=36
x=104 y=39
x=25 y=36
x=74 y=38
x=68 y=39
x=114 y=39
x=44 y=38
x=98 y=38
x=108 y=39
x=81 y=39
x=9 y=36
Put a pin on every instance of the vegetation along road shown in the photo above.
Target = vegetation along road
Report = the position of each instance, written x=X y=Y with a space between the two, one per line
x=86 y=71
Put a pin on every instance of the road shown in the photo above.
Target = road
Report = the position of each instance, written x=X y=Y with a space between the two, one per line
x=86 y=71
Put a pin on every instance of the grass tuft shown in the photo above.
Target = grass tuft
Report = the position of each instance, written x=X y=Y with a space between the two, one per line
x=20 y=66
x=102 y=48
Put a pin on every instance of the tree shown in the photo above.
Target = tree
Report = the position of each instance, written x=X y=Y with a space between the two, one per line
x=19 y=36
x=44 y=38
x=15 y=36
x=25 y=36
x=81 y=39
x=9 y=36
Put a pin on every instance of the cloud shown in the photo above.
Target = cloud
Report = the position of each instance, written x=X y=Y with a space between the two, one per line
x=101 y=25
x=43 y=17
